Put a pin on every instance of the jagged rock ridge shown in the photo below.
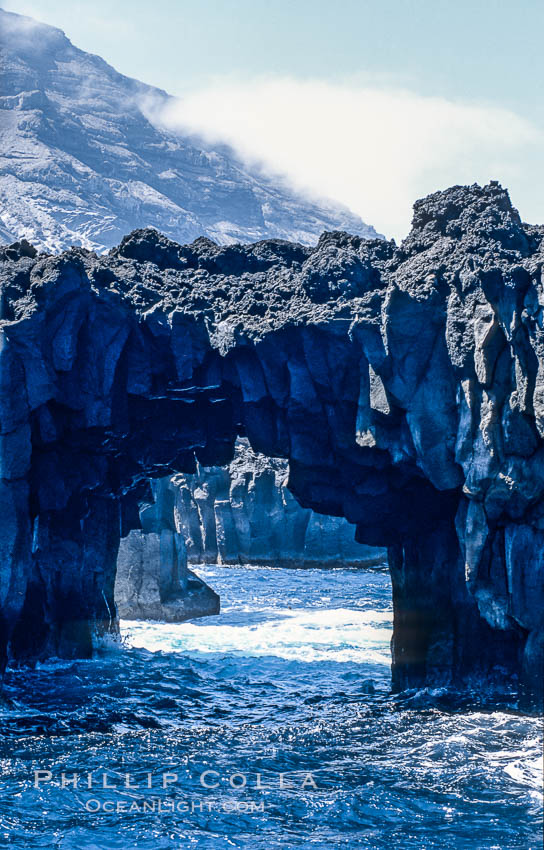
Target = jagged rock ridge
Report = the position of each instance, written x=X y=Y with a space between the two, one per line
x=404 y=385
x=81 y=163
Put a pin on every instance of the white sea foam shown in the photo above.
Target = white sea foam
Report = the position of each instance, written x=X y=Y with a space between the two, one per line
x=339 y=634
x=528 y=771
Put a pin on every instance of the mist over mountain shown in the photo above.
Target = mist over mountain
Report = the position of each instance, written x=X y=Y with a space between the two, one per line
x=82 y=164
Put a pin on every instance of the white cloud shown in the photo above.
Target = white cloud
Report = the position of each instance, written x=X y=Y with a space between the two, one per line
x=374 y=149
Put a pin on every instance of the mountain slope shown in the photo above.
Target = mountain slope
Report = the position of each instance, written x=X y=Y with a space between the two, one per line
x=81 y=163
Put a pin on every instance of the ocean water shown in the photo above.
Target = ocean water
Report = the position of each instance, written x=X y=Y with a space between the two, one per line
x=270 y=726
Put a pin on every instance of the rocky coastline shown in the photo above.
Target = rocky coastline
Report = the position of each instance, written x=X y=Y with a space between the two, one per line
x=403 y=385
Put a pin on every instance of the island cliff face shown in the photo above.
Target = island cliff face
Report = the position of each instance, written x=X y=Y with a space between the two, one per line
x=244 y=513
x=404 y=385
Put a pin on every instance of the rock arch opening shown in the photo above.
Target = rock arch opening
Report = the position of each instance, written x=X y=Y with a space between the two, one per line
x=403 y=385
x=242 y=514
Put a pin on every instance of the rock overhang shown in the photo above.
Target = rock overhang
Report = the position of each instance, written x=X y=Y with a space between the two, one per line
x=404 y=385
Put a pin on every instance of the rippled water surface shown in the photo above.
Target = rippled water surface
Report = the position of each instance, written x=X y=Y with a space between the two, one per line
x=288 y=687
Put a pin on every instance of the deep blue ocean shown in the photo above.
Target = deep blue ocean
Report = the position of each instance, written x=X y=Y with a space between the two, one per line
x=281 y=706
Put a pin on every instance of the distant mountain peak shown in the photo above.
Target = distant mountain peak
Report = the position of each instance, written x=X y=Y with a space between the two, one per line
x=81 y=163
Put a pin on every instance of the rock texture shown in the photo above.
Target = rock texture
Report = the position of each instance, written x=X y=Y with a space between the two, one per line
x=152 y=580
x=244 y=513
x=83 y=164
x=404 y=385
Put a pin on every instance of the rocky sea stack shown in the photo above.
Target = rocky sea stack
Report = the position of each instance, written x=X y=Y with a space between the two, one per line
x=153 y=581
x=405 y=386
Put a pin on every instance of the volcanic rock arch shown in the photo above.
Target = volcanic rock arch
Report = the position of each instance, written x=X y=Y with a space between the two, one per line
x=404 y=385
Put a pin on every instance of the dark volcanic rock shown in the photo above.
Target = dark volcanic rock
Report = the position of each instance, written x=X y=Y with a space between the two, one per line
x=244 y=513
x=404 y=385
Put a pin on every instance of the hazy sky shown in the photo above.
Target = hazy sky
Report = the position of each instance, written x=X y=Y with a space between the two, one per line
x=374 y=103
